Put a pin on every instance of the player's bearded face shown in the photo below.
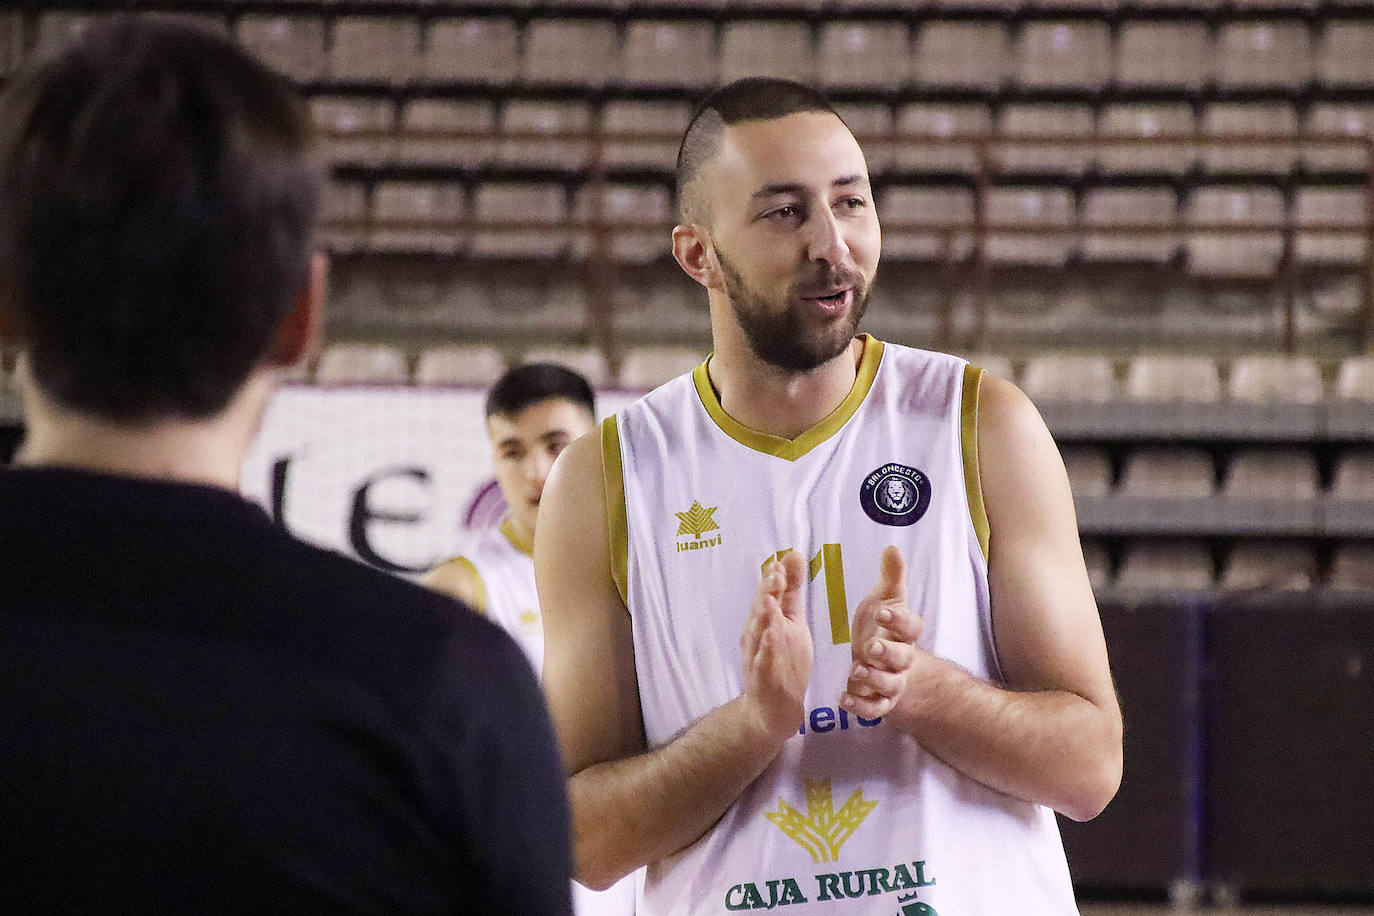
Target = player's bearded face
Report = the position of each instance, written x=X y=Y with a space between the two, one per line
x=782 y=331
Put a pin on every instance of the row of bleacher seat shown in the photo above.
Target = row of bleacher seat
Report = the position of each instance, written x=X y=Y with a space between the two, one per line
x=1049 y=378
x=1134 y=138
x=1022 y=224
x=880 y=55
x=1152 y=566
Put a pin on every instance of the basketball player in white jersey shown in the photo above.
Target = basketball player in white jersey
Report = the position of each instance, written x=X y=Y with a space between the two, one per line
x=532 y=412
x=728 y=712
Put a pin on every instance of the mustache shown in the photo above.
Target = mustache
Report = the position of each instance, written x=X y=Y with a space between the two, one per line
x=827 y=280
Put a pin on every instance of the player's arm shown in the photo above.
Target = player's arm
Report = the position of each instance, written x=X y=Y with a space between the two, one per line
x=631 y=806
x=458 y=578
x=1052 y=732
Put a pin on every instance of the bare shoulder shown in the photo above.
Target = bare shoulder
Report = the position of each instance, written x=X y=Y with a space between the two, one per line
x=458 y=578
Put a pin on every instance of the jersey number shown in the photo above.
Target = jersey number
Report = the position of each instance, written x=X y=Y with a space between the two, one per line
x=829 y=562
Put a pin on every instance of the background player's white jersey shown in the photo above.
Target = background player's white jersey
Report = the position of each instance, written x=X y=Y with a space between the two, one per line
x=503 y=565
x=853 y=816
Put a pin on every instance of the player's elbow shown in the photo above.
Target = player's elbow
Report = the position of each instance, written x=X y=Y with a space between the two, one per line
x=1098 y=780
x=593 y=868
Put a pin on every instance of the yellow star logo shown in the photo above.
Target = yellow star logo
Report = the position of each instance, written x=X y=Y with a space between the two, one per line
x=697 y=520
x=823 y=830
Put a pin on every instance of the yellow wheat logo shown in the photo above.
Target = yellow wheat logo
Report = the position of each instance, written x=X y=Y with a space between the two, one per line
x=697 y=520
x=823 y=830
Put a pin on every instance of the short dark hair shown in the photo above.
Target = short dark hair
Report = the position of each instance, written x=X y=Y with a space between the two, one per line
x=536 y=382
x=756 y=98
x=159 y=202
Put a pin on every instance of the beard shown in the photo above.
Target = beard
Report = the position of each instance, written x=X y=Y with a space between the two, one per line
x=781 y=334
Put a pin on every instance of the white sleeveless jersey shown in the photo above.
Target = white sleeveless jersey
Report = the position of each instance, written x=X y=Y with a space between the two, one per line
x=853 y=817
x=502 y=564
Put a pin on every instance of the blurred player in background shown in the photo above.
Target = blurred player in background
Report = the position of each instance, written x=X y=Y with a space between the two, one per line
x=755 y=738
x=533 y=413
x=201 y=713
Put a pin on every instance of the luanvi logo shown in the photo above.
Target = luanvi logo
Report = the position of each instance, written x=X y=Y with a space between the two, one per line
x=822 y=830
x=696 y=522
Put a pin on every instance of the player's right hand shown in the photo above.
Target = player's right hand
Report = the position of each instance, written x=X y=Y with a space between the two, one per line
x=777 y=647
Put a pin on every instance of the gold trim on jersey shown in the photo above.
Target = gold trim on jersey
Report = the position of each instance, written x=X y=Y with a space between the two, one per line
x=479 y=595
x=618 y=525
x=523 y=544
x=792 y=449
x=968 y=443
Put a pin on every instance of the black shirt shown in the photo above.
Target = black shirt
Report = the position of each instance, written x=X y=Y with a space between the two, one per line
x=199 y=712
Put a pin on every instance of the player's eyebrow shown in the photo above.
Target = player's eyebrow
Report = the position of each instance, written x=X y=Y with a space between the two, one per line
x=796 y=187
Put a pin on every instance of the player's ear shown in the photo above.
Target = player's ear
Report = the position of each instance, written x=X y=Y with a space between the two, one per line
x=693 y=252
x=299 y=333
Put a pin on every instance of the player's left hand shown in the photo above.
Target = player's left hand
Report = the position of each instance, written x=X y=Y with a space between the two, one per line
x=884 y=633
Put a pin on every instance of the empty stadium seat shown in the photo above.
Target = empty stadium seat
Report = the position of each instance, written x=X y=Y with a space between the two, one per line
x=1162 y=55
x=541 y=205
x=1345 y=55
x=59 y=28
x=354 y=130
x=1058 y=120
x=588 y=361
x=1089 y=470
x=1048 y=215
x=1151 y=207
x=1140 y=121
x=669 y=54
x=1157 y=472
x=375 y=49
x=643 y=214
x=911 y=215
x=993 y=364
x=1251 y=254
x=621 y=119
x=480 y=51
x=343 y=214
x=941 y=122
x=1355 y=378
x=1070 y=54
x=1281 y=474
x=1222 y=119
x=1168 y=377
x=1267 y=378
x=1069 y=377
x=962 y=55
x=1353 y=477
x=350 y=363
x=1269 y=565
x=1263 y=55
x=574 y=52
x=1099 y=564
x=872 y=55
x=459 y=364
x=872 y=124
x=293 y=45
x=649 y=366
x=767 y=48
x=1331 y=206
x=416 y=216
x=1352 y=567
x=1343 y=119
x=1149 y=566
x=425 y=137
x=538 y=117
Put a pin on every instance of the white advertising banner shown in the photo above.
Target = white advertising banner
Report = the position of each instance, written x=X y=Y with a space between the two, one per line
x=395 y=476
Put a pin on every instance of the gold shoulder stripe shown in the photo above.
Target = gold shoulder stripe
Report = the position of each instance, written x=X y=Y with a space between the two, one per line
x=479 y=593
x=618 y=525
x=792 y=449
x=968 y=437
x=523 y=544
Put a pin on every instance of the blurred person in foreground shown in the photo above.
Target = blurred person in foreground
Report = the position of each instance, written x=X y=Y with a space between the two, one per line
x=201 y=713
x=728 y=713
x=533 y=412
